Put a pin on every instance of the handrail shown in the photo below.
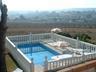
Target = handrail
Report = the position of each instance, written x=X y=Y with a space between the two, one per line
x=54 y=64
x=10 y=42
x=24 y=55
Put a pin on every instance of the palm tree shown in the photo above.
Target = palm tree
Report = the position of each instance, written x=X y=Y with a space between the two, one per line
x=3 y=29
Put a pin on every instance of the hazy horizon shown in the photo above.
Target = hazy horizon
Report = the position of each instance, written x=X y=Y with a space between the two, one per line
x=47 y=5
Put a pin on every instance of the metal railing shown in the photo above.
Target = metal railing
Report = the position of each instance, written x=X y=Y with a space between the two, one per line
x=81 y=45
x=29 y=38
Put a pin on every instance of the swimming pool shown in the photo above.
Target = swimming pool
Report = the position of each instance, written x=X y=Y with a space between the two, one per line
x=37 y=51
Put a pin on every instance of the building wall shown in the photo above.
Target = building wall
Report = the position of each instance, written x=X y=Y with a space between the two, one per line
x=89 y=66
x=90 y=70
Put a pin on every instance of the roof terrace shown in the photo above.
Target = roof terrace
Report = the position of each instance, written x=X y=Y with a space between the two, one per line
x=71 y=51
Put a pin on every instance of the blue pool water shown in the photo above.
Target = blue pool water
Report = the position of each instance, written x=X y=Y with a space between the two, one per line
x=37 y=51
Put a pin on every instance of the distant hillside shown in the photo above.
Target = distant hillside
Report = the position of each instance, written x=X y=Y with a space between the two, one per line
x=68 y=17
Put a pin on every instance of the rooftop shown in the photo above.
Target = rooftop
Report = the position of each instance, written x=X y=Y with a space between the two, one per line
x=79 y=51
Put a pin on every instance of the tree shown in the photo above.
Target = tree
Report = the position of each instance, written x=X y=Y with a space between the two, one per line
x=83 y=37
x=3 y=29
x=65 y=34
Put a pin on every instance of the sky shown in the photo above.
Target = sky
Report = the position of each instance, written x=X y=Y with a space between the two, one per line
x=43 y=5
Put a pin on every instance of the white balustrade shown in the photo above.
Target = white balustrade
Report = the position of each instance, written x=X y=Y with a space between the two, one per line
x=21 y=59
x=56 y=64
